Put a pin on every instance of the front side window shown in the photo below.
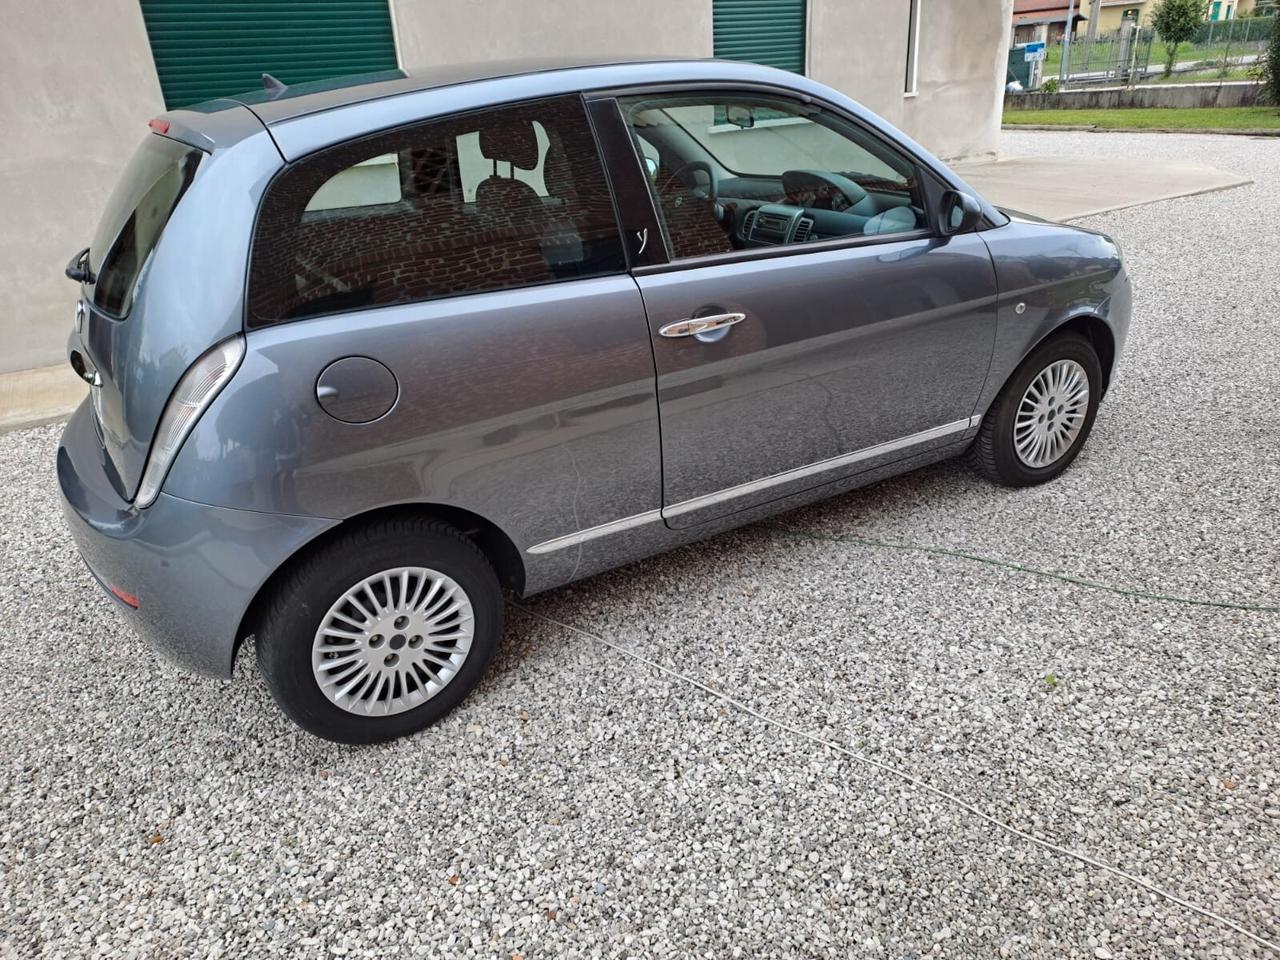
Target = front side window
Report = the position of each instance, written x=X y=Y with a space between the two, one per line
x=485 y=201
x=732 y=172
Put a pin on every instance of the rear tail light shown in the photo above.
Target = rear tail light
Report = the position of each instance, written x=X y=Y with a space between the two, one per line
x=192 y=396
x=158 y=125
x=129 y=599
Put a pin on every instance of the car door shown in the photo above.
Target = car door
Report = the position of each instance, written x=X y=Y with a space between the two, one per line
x=807 y=320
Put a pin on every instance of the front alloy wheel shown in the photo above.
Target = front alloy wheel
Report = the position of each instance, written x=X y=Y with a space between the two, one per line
x=1042 y=417
x=1051 y=414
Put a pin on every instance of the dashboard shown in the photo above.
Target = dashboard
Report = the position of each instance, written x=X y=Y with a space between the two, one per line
x=816 y=205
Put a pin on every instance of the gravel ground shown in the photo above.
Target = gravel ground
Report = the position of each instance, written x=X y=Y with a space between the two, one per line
x=583 y=804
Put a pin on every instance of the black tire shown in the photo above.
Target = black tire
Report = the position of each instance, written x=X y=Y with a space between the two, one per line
x=993 y=453
x=293 y=614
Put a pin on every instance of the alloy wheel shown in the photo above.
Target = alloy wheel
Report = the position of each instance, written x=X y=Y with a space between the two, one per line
x=393 y=641
x=1051 y=414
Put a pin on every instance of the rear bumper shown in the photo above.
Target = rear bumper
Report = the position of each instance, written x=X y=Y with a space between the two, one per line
x=193 y=568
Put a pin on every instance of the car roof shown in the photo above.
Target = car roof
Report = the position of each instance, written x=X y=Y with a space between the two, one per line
x=306 y=117
x=298 y=100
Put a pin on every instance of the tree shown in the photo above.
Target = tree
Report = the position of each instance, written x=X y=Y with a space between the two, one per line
x=1177 y=22
x=1271 y=66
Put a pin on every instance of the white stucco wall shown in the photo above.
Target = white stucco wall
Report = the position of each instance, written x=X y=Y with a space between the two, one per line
x=430 y=32
x=860 y=48
x=79 y=85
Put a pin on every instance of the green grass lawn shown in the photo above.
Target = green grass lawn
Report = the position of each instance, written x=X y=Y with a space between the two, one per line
x=1209 y=118
x=1210 y=76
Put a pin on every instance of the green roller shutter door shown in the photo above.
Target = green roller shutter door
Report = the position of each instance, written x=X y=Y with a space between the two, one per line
x=212 y=48
x=762 y=31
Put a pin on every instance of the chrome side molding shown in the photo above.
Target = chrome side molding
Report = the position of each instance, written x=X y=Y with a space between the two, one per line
x=754 y=486
x=591 y=533
x=821 y=466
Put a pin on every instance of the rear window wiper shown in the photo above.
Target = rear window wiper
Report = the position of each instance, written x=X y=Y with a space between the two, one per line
x=78 y=268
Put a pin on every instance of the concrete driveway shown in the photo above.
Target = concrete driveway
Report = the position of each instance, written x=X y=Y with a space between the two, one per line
x=890 y=725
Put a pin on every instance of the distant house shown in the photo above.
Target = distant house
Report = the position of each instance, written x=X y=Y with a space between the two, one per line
x=1115 y=12
x=1030 y=15
x=1230 y=9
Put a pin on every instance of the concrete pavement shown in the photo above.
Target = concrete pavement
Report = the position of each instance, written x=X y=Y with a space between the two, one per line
x=1072 y=186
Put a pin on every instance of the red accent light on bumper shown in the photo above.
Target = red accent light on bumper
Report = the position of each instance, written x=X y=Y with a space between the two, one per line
x=124 y=597
x=159 y=126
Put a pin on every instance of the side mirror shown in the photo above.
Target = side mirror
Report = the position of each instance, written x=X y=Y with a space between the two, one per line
x=960 y=213
x=651 y=167
x=740 y=116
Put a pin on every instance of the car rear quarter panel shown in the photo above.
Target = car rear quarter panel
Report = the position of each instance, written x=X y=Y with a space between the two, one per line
x=534 y=409
x=1058 y=273
x=191 y=296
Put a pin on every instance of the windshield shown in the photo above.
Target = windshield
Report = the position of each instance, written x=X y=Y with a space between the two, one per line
x=140 y=206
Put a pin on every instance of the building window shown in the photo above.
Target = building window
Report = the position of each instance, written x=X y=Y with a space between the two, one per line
x=205 y=49
x=913 y=48
x=771 y=32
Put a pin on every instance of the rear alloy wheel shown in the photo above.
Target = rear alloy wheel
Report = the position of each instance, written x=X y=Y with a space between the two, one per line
x=1041 y=419
x=393 y=641
x=380 y=631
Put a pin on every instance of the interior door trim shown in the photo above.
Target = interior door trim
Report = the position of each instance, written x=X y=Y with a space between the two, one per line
x=754 y=486
x=821 y=466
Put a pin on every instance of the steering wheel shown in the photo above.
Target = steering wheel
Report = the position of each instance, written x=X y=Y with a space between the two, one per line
x=712 y=196
x=818 y=186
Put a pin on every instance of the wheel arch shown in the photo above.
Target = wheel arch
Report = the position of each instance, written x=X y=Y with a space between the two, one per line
x=1094 y=329
x=487 y=535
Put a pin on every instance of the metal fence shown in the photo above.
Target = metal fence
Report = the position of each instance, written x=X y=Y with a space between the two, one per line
x=1132 y=55
x=1120 y=57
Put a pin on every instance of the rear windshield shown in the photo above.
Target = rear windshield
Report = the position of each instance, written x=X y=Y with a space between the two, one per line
x=140 y=206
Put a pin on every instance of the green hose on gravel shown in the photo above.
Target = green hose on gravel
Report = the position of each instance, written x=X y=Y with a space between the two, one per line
x=1020 y=568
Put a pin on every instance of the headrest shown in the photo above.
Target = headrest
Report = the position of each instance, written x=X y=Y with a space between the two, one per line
x=514 y=142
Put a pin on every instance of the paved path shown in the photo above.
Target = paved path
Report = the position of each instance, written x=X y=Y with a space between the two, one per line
x=1071 y=184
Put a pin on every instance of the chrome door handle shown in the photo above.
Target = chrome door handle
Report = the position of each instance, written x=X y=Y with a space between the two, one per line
x=692 y=326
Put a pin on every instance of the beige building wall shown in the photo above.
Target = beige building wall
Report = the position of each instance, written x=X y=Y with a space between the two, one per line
x=860 y=48
x=1113 y=15
x=857 y=46
x=78 y=88
x=430 y=32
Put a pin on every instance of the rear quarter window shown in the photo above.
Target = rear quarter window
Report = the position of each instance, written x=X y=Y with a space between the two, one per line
x=490 y=200
x=140 y=206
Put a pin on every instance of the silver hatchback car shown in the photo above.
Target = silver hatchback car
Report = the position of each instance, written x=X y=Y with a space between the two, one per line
x=362 y=355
